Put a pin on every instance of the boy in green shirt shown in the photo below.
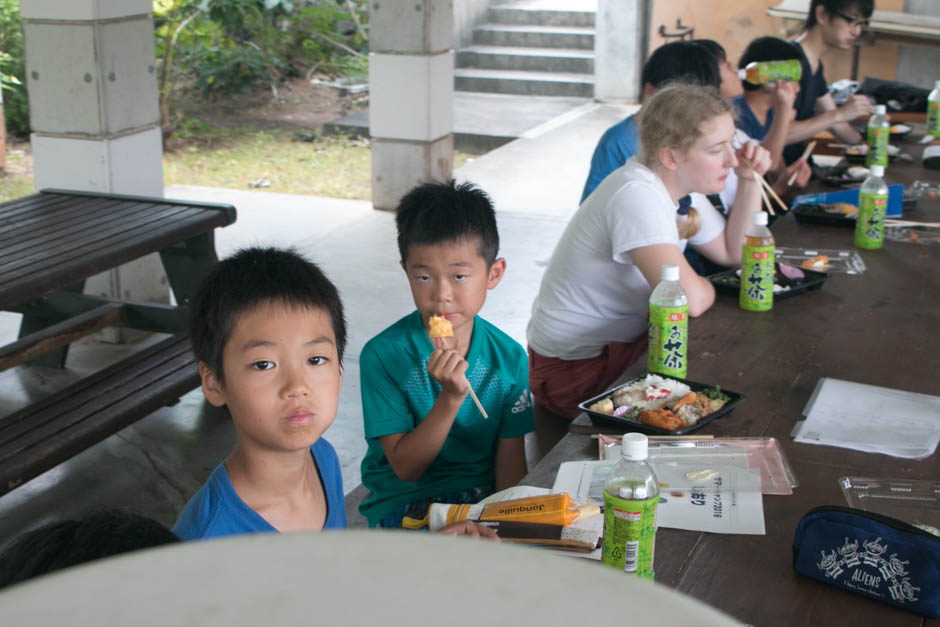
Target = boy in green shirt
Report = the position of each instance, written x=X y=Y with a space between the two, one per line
x=427 y=441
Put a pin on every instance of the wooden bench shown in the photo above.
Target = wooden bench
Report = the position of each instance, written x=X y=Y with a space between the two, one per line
x=50 y=431
x=50 y=243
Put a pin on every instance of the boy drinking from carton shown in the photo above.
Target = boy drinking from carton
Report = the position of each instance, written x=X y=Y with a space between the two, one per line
x=268 y=331
x=427 y=441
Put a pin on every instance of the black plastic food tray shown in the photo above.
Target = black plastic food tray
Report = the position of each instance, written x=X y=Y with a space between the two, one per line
x=728 y=282
x=599 y=418
x=815 y=214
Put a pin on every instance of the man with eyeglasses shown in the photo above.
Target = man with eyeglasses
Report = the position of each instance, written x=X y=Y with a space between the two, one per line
x=830 y=25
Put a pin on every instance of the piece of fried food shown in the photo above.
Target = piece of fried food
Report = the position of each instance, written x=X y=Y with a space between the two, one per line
x=603 y=406
x=662 y=418
x=440 y=327
x=815 y=263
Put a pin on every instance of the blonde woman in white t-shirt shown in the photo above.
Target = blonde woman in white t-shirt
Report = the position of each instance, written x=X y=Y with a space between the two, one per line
x=589 y=320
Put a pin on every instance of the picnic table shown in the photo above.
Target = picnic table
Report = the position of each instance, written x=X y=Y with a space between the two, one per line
x=50 y=243
x=877 y=328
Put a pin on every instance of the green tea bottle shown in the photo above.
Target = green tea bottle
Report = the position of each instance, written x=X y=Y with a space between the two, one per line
x=757 y=266
x=933 y=112
x=763 y=72
x=879 y=131
x=669 y=326
x=631 y=493
x=872 y=202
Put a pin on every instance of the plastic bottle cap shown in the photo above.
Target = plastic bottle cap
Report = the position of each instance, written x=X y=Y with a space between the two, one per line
x=880 y=110
x=634 y=446
x=877 y=170
x=742 y=74
x=936 y=85
x=669 y=273
x=760 y=218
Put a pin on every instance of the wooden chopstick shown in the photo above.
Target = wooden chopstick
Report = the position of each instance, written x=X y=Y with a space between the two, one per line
x=806 y=153
x=929 y=225
x=770 y=189
x=760 y=179
x=476 y=402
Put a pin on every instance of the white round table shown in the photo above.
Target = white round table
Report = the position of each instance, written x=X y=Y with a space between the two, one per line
x=347 y=578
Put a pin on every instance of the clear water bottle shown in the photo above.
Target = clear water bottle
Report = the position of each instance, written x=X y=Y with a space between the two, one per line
x=879 y=131
x=630 y=497
x=872 y=202
x=757 y=266
x=933 y=112
x=669 y=326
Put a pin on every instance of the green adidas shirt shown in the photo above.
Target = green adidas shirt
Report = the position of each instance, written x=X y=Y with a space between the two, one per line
x=398 y=392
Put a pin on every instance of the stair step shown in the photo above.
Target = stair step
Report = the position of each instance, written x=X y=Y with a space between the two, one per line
x=570 y=60
x=536 y=16
x=527 y=83
x=578 y=37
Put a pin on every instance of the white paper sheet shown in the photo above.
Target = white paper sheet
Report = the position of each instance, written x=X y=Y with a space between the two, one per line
x=710 y=507
x=871 y=419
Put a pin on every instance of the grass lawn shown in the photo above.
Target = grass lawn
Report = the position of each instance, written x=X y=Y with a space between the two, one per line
x=241 y=158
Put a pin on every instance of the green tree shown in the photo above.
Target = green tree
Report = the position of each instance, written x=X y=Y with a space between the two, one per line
x=12 y=72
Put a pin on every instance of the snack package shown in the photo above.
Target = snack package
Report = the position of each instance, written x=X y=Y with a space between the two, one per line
x=551 y=509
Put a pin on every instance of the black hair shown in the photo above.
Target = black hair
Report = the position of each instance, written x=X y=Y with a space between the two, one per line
x=434 y=213
x=713 y=47
x=248 y=279
x=681 y=61
x=833 y=7
x=766 y=49
x=71 y=542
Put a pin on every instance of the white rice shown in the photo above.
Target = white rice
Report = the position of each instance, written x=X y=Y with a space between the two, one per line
x=636 y=394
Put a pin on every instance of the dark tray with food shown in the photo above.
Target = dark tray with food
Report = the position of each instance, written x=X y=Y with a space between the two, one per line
x=857 y=153
x=788 y=281
x=841 y=175
x=835 y=214
x=659 y=405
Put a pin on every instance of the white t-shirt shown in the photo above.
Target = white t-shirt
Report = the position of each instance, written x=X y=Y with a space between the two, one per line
x=592 y=293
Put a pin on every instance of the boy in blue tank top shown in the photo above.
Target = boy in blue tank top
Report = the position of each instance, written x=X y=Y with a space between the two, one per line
x=427 y=441
x=268 y=330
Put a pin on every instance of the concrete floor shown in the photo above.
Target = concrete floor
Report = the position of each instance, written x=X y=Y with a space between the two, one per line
x=154 y=466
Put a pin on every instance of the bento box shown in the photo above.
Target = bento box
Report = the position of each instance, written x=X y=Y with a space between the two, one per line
x=654 y=393
x=729 y=282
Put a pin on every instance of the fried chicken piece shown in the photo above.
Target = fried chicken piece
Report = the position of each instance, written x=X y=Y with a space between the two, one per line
x=440 y=327
x=662 y=418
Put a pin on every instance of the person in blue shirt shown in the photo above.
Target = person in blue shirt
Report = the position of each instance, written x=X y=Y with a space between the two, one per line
x=268 y=331
x=765 y=112
x=427 y=441
x=678 y=60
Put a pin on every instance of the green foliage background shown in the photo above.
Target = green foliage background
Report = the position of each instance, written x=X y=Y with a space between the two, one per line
x=220 y=46
x=15 y=102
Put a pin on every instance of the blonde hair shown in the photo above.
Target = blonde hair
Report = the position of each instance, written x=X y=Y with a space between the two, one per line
x=673 y=118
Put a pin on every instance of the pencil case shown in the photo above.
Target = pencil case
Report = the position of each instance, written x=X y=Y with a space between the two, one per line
x=872 y=555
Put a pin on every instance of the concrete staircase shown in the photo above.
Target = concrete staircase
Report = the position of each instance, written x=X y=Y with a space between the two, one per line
x=526 y=50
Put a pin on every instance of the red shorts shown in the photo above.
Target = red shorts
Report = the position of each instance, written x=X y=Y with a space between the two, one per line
x=559 y=385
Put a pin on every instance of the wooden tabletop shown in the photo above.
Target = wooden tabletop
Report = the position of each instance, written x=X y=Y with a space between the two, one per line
x=55 y=238
x=881 y=327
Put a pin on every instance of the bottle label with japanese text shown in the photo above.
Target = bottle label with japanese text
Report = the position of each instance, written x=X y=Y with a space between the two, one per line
x=877 y=146
x=933 y=118
x=669 y=340
x=757 y=278
x=870 y=226
x=629 y=534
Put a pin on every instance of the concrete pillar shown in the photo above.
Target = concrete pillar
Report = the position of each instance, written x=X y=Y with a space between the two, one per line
x=620 y=42
x=411 y=100
x=91 y=76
